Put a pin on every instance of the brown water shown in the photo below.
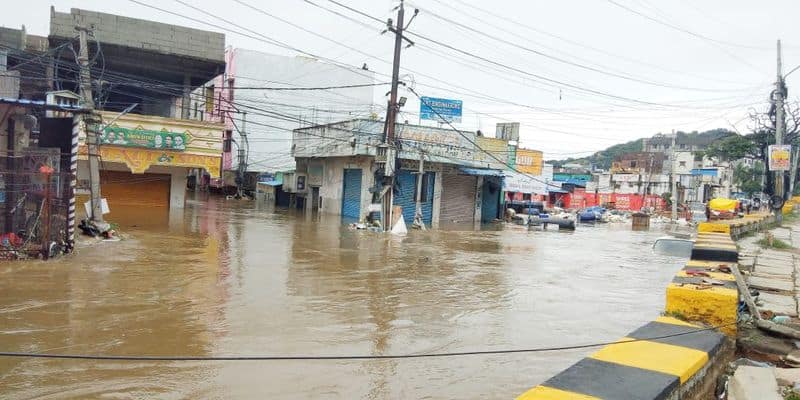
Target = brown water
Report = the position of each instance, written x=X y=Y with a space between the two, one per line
x=228 y=278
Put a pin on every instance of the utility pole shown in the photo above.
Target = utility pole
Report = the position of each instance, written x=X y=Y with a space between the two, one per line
x=92 y=137
x=242 y=154
x=672 y=160
x=779 y=128
x=389 y=149
x=418 y=220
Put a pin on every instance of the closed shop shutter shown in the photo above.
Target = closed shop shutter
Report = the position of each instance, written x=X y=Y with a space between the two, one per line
x=140 y=190
x=490 y=198
x=351 y=194
x=404 y=196
x=458 y=199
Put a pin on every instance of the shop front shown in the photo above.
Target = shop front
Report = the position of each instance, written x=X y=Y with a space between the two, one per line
x=145 y=160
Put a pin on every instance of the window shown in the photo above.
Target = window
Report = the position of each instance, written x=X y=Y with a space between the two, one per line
x=526 y=196
x=682 y=163
x=209 y=99
x=683 y=146
x=226 y=144
x=425 y=183
x=633 y=164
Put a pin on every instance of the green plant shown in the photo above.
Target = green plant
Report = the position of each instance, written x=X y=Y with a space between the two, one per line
x=776 y=244
x=677 y=315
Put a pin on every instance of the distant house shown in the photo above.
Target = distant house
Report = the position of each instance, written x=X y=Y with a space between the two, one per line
x=639 y=163
x=694 y=142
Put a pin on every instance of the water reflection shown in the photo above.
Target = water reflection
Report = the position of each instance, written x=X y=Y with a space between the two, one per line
x=230 y=277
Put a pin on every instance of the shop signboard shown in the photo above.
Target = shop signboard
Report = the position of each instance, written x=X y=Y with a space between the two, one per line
x=441 y=110
x=779 y=157
x=138 y=137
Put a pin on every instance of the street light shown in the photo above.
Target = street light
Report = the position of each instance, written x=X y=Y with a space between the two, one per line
x=793 y=69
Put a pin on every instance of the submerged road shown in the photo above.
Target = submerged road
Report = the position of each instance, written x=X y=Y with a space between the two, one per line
x=232 y=278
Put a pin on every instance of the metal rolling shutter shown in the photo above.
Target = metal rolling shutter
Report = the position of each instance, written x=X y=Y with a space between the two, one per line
x=427 y=206
x=140 y=190
x=404 y=194
x=458 y=199
x=406 y=188
x=351 y=194
x=490 y=200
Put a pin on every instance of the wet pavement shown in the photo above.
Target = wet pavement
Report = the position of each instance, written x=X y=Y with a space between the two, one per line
x=234 y=278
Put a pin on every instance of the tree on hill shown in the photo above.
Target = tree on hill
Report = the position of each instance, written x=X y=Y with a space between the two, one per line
x=602 y=159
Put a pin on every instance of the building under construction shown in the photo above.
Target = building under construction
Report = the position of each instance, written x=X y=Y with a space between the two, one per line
x=143 y=74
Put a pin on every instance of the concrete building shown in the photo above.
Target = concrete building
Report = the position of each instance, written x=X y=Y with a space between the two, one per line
x=639 y=163
x=265 y=86
x=149 y=69
x=337 y=175
x=662 y=143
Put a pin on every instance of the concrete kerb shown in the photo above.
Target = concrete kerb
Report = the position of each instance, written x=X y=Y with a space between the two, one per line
x=702 y=291
x=670 y=368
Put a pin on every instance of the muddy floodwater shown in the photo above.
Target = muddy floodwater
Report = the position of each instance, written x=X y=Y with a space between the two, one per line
x=233 y=278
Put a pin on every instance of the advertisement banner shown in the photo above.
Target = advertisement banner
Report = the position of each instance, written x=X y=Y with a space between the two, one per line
x=436 y=109
x=118 y=136
x=779 y=157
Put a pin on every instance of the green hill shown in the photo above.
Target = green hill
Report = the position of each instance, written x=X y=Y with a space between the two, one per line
x=603 y=158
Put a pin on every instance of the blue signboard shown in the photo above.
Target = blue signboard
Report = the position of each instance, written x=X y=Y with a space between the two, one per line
x=440 y=109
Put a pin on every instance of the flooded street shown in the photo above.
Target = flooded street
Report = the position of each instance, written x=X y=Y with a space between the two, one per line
x=230 y=279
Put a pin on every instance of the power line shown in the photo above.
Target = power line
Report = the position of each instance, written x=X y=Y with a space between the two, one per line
x=568 y=62
x=516 y=22
x=352 y=357
x=679 y=29
x=553 y=82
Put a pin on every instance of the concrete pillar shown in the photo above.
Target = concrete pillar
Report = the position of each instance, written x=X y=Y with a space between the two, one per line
x=478 y=201
x=177 y=188
x=437 y=199
x=187 y=98
x=367 y=181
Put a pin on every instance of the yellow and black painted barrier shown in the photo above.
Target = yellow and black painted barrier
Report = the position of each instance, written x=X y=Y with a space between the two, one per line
x=637 y=367
x=705 y=289
x=735 y=228
x=641 y=367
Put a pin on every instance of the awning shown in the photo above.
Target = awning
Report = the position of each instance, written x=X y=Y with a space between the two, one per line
x=481 y=171
x=557 y=190
x=574 y=182
x=272 y=183
x=523 y=183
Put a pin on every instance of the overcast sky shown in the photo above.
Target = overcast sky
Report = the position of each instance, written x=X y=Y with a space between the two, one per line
x=578 y=75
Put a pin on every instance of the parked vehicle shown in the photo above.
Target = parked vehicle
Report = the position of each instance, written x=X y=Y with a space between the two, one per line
x=697 y=212
x=591 y=214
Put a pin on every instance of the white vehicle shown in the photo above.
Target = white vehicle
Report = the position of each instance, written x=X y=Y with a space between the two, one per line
x=698 y=212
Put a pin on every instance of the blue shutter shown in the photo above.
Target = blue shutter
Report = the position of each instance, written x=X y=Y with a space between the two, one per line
x=351 y=194
x=406 y=188
x=490 y=200
x=404 y=194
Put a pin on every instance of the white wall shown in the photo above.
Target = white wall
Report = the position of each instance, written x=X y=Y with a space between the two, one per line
x=684 y=162
x=332 y=176
x=270 y=146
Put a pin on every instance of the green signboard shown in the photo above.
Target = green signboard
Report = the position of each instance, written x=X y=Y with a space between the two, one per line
x=128 y=137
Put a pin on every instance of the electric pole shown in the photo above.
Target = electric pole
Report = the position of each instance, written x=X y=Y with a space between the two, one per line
x=92 y=137
x=418 y=220
x=779 y=127
x=242 y=155
x=672 y=160
x=389 y=149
